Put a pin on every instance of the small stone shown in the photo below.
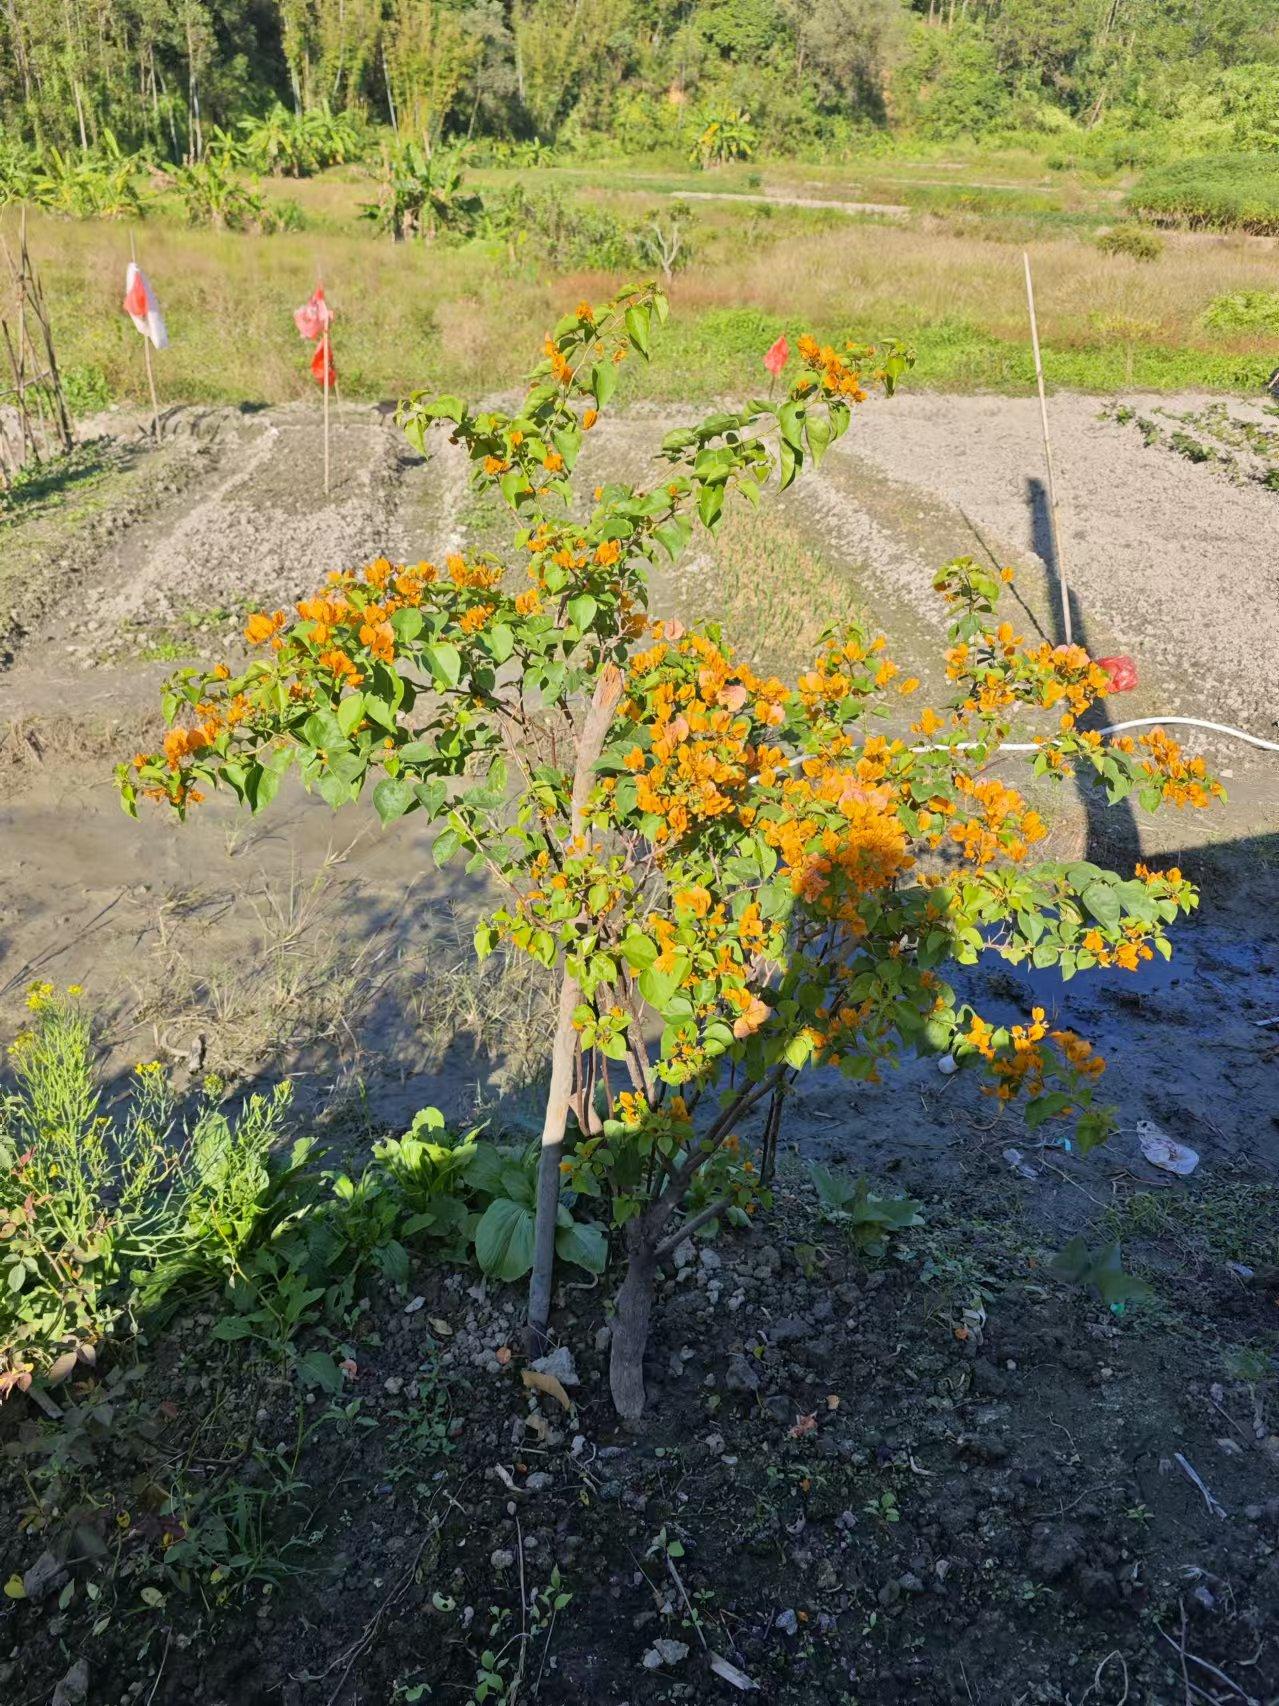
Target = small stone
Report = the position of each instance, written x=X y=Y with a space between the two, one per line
x=740 y=1375
x=710 y=1259
x=538 y=1482
x=502 y=1559
x=44 y=1575
x=74 y=1687
x=665 y=1652
x=394 y=1384
x=559 y=1363
x=715 y=1444
x=787 y=1622
x=685 y=1254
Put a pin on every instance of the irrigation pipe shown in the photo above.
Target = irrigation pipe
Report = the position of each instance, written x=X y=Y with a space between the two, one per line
x=1119 y=728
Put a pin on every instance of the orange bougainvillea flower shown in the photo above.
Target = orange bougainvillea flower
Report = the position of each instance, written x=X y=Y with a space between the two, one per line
x=261 y=628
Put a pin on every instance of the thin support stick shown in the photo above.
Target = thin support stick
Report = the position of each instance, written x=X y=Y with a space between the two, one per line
x=155 y=407
x=328 y=367
x=1048 y=456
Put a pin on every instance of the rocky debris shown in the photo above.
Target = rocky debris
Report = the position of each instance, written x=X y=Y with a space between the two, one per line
x=665 y=1652
x=561 y=1365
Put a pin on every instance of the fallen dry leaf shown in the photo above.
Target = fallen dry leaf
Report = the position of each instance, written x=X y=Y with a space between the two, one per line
x=803 y=1425
x=547 y=1383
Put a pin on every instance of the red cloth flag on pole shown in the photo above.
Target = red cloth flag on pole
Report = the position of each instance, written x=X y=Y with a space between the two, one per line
x=322 y=367
x=314 y=317
x=142 y=308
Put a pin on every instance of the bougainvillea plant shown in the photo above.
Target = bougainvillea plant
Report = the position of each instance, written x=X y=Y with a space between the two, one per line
x=733 y=876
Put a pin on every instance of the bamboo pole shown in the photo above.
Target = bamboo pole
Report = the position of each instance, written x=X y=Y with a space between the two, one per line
x=1053 y=529
x=328 y=368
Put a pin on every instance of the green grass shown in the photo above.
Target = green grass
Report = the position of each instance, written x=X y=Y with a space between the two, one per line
x=947 y=275
x=1219 y=192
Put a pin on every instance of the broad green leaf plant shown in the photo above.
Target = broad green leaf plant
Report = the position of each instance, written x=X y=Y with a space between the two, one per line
x=735 y=877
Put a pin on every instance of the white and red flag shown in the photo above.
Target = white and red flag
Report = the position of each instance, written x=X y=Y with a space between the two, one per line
x=142 y=308
x=314 y=317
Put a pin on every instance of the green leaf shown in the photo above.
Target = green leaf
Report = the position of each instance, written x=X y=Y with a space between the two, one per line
x=637 y=329
x=504 y=1240
x=231 y=1327
x=1102 y=901
x=392 y=797
x=500 y=641
x=639 y=951
x=657 y=987
x=584 y=1244
x=603 y=381
x=445 y=845
x=581 y=610
x=351 y=712
x=317 y=1368
x=444 y=661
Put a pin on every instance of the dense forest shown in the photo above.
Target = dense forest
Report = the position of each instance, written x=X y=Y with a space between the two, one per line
x=812 y=76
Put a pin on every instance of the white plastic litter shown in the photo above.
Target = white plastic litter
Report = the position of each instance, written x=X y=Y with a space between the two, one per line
x=1164 y=1151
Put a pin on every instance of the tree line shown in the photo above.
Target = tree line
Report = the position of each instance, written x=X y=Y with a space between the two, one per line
x=811 y=74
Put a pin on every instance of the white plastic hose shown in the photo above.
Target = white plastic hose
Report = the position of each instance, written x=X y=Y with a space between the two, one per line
x=1118 y=728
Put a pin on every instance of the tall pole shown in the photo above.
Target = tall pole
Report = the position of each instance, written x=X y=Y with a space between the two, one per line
x=1048 y=457
x=328 y=368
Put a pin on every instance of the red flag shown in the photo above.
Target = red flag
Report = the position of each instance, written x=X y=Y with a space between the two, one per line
x=135 y=297
x=322 y=367
x=314 y=317
x=141 y=306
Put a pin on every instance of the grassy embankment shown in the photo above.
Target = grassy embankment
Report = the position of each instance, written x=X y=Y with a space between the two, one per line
x=946 y=274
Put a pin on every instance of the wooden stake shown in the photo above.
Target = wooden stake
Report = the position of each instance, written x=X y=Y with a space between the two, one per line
x=328 y=363
x=155 y=407
x=1048 y=457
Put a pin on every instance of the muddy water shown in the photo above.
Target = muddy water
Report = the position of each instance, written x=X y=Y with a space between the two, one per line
x=337 y=930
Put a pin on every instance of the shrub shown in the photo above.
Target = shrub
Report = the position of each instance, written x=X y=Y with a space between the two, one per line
x=734 y=878
x=422 y=194
x=213 y=194
x=297 y=144
x=560 y=233
x=1243 y=311
x=86 y=389
x=1131 y=241
x=723 y=140
x=89 y=184
x=1212 y=192
x=105 y=1216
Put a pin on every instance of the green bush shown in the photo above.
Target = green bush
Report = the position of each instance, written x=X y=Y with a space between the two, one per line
x=1220 y=192
x=111 y=1221
x=86 y=389
x=559 y=233
x=104 y=1217
x=1243 y=311
x=1131 y=241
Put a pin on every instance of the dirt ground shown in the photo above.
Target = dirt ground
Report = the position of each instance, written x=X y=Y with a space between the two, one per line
x=1042 y=1541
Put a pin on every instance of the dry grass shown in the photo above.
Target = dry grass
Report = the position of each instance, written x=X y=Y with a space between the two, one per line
x=460 y=318
x=908 y=276
x=774 y=595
